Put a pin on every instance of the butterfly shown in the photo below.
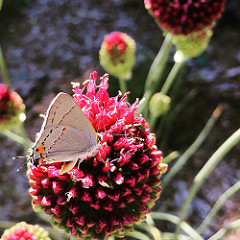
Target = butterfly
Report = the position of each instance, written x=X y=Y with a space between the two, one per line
x=66 y=135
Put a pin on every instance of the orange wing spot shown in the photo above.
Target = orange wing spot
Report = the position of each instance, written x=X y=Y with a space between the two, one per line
x=40 y=160
x=40 y=149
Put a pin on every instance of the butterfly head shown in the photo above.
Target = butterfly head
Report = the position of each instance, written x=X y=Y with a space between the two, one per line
x=35 y=156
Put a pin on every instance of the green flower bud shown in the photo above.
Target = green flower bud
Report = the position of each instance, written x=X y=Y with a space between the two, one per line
x=117 y=54
x=159 y=104
x=193 y=44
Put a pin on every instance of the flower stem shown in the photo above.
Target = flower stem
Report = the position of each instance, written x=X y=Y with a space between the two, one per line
x=172 y=75
x=19 y=137
x=227 y=194
x=153 y=118
x=166 y=86
x=155 y=72
x=204 y=173
x=27 y=142
x=138 y=235
x=166 y=124
x=123 y=85
x=226 y=230
x=170 y=157
x=4 y=70
x=193 y=148
x=174 y=219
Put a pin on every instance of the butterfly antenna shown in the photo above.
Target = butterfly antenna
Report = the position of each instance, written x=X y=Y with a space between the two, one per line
x=21 y=157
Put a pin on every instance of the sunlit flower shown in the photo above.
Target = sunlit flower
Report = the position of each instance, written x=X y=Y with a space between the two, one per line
x=112 y=190
x=185 y=16
x=24 y=231
x=117 y=54
x=11 y=108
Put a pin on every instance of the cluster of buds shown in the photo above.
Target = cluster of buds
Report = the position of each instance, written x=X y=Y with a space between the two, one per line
x=117 y=54
x=111 y=191
x=11 y=108
x=190 y=21
x=24 y=231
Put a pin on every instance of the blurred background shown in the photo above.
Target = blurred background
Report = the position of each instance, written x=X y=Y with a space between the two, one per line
x=47 y=44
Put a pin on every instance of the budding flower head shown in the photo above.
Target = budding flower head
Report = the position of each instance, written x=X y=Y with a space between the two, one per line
x=111 y=190
x=11 y=108
x=117 y=54
x=159 y=104
x=193 y=44
x=24 y=231
x=185 y=17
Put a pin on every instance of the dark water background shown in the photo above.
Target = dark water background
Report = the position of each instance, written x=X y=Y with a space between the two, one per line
x=49 y=43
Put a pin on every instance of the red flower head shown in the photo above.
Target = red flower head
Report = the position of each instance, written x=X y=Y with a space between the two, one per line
x=185 y=16
x=11 y=108
x=117 y=54
x=112 y=190
x=24 y=231
x=116 y=43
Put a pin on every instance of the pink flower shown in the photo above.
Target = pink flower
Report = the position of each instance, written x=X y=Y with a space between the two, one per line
x=116 y=43
x=112 y=190
x=185 y=16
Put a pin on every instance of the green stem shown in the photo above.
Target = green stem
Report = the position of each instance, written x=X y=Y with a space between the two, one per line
x=123 y=85
x=4 y=70
x=156 y=72
x=138 y=235
x=13 y=136
x=19 y=137
x=27 y=142
x=170 y=157
x=174 y=219
x=204 y=173
x=193 y=148
x=226 y=230
x=166 y=124
x=172 y=75
x=227 y=194
x=152 y=121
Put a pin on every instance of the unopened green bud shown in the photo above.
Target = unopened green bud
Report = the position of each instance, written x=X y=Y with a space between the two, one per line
x=159 y=104
x=193 y=44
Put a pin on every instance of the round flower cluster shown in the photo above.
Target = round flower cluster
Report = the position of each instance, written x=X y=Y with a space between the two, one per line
x=24 y=231
x=112 y=190
x=185 y=16
x=11 y=108
x=117 y=54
